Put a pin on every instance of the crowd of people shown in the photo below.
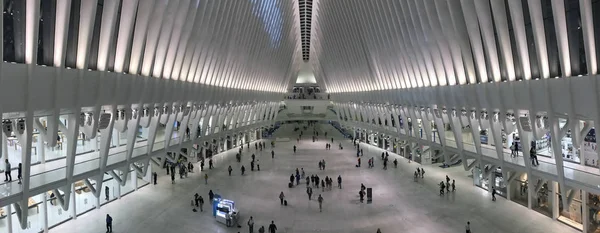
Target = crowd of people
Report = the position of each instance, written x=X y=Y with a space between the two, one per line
x=312 y=181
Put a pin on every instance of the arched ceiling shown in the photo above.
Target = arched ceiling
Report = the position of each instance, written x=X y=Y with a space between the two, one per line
x=248 y=44
x=362 y=45
x=351 y=45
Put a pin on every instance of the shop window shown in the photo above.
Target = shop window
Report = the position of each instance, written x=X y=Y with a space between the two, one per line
x=572 y=214
x=593 y=205
x=35 y=217
x=541 y=201
x=84 y=198
x=519 y=190
x=56 y=214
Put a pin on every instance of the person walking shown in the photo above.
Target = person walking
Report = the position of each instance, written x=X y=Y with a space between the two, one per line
x=453 y=186
x=320 y=203
x=106 y=192
x=395 y=163
x=172 y=176
x=281 y=197
x=513 y=149
x=19 y=170
x=211 y=196
x=272 y=154
x=205 y=178
x=323 y=185
x=422 y=172
x=200 y=202
x=442 y=187
x=108 y=223
x=339 y=179
x=154 y=177
x=272 y=227
x=468 y=227
x=229 y=169
x=210 y=163
x=309 y=192
x=302 y=173
x=294 y=149
x=361 y=193
x=251 y=225
x=447 y=179
x=7 y=171
x=494 y=194
x=243 y=169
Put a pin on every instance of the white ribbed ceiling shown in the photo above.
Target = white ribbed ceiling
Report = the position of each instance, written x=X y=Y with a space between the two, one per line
x=362 y=45
x=249 y=44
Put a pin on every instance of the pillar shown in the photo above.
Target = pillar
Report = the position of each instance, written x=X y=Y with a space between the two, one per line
x=117 y=189
x=4 y=150
x=41 y=149
x=45 y=210
x=134 y=180
x=508 y=185
x=9 y=216
x=554 y=200
x=584 y=210
x=530 y=191
x=73 y=205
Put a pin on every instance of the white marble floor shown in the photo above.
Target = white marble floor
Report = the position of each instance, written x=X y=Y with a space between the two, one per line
x=399 y=204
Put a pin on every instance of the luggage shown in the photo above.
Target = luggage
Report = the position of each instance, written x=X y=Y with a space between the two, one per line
x=290 y=185
x=285 y=202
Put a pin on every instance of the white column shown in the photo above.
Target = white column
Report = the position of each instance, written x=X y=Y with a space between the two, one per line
x=73 y=204
x=41 y=150
x=554 y=199
x=4 y=149
x=117 y=189
x=134 y=180
x=9 y=217
x=45 y=210
x=584 y=211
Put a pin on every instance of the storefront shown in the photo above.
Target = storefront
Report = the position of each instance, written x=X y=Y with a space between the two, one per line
x=572 y=214
x=593 y=204
x=483 y=181
x=519 y=188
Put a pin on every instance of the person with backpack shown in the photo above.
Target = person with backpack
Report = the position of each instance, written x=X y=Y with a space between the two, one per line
x=281 y=197
x=261 y=229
